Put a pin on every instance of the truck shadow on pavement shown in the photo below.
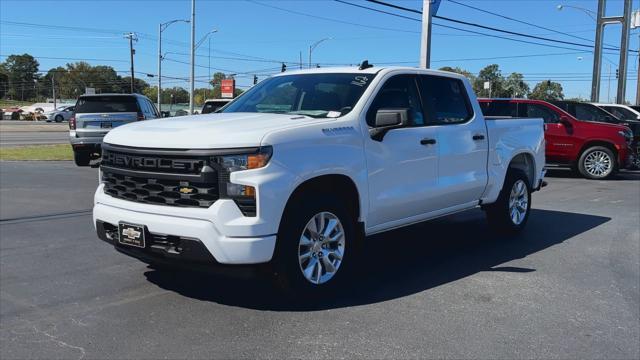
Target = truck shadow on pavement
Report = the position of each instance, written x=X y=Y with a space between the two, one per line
x=568 y=174
x=399 y=263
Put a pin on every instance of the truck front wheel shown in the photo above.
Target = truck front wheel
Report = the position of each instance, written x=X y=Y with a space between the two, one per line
x=315 y=246
x=597 y=163
x=509 y=214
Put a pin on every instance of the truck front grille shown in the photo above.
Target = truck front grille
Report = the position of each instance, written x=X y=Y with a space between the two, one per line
x=150 y=190
x=161 y=177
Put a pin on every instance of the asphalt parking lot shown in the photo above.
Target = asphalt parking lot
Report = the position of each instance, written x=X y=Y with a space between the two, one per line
x=19 y=133
x=568 y=287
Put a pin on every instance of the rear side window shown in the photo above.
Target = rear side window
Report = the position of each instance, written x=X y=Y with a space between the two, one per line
x=499 y=108
x=445 y=100
x=541 y=111
x=106 y=104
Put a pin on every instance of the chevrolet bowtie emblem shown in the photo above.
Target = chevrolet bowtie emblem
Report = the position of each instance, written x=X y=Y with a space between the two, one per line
x=130 y=233
x=185 y=190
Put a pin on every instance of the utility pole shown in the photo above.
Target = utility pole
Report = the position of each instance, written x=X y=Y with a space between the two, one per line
x=160 y=69
x=132 y=37
x=193 y=55
x=602 y=21
x=425 y=38
x=300 y=60
x=635 y=23
x=53 y=89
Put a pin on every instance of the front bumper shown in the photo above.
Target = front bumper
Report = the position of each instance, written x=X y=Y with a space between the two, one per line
x=227 y=236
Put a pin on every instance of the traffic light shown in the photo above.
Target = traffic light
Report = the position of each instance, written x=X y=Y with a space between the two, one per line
x=284 y=67
x=255 y=79
x=617 y=73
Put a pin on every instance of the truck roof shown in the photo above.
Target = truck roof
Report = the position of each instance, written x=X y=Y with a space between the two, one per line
x=371 y=70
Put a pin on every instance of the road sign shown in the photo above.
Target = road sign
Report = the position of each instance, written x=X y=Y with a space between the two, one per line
x=227 y=88
x=487 y=85
x=435 y=4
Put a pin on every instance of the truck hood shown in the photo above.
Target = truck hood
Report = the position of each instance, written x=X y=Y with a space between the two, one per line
x=210 y=131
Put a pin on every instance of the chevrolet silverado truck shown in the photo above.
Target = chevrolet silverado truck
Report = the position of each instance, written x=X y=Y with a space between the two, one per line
x=299 y=170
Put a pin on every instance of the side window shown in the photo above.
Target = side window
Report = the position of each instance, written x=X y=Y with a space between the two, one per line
x=588 y=113
x=445 y=100
x=499 y=108
x=540 y=111
x=399 y=92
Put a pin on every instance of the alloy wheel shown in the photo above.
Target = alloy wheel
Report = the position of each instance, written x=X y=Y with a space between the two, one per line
x=321 y=248
x=598 y=163
x=518 y=202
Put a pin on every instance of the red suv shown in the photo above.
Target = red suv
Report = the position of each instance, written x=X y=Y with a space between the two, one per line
x=597 y=150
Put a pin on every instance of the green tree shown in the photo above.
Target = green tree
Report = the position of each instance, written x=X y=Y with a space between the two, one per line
x=139 y=85
x=547 y=90
x=515 y=86
x=4 y=81
x=21 y=76
x=460 y=71
x=493 y=75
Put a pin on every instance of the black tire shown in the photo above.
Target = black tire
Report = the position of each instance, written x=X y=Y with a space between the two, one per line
x=499 y=213
x=58 y=118
x=589 y=174
x=287 y=269
x=81 y=158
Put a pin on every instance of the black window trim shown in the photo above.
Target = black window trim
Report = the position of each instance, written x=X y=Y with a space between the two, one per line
x=467 y=102
x=417 y=88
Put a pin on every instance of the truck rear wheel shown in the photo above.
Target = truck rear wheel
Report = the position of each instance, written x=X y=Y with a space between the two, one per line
x=315 y=246
x=81 y=158
x=509 y=214
x=597 y=163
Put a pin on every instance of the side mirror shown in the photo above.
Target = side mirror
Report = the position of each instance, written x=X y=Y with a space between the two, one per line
x=388 y=119
x=564 y=120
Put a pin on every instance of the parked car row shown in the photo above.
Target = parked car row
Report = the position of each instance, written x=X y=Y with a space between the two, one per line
x=582 y=136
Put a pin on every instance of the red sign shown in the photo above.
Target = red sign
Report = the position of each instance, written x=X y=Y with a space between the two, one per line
x=227 y=88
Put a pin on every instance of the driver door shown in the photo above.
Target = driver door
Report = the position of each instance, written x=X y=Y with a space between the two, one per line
x=402 y=167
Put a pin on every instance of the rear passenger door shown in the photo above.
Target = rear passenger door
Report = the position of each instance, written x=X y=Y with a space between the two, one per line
x=462 y=140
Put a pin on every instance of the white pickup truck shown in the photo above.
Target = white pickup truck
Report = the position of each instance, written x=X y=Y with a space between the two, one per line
x=302 y=167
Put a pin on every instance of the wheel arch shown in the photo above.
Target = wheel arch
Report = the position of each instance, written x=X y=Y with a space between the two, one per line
x=341 y=184
x=526 y=162
x=604 y=143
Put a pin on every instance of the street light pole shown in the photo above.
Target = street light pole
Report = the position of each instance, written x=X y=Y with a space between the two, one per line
x=425 y=37
x=193 y=55
x=162 y=27
x=314 y=45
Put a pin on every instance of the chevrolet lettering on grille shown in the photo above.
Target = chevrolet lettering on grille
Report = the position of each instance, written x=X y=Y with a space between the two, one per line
x=150 y=163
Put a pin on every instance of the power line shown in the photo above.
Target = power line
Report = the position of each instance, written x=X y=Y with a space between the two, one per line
x=488 y=27
x=519 y=21
x=330 y=19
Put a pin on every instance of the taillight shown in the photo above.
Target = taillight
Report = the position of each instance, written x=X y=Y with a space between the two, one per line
x=141 y=116
x=72 y=123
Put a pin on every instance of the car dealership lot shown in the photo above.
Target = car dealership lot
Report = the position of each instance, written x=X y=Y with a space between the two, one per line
x=568 y=287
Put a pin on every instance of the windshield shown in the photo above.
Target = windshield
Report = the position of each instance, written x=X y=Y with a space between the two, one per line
x=314 y=95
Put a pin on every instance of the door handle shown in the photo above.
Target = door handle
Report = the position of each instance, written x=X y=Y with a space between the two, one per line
x=478 y=137
x=427 y=141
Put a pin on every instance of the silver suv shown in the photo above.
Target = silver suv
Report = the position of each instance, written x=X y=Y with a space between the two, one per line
x=95 y=115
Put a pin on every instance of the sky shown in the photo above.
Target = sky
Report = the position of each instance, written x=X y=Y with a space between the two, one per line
x=255 y=36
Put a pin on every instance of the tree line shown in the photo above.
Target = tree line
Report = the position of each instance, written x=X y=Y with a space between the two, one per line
x=511 y=86
x=20 y=79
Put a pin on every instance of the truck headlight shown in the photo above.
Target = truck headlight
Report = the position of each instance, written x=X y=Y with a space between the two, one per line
x=240 y=162
x=627 y=135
